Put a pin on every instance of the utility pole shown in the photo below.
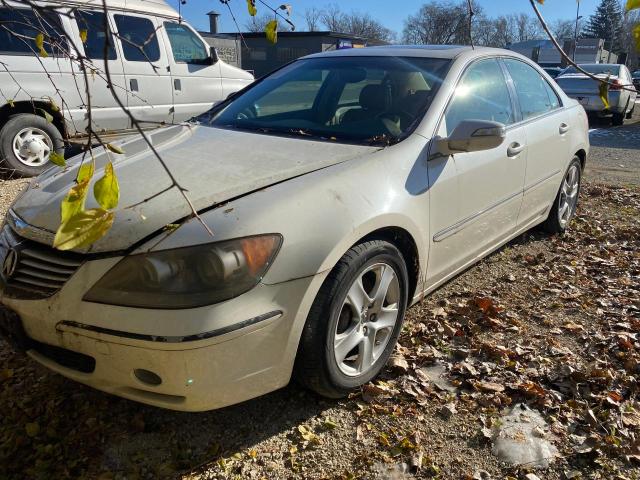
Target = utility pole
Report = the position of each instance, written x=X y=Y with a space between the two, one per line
x=575 y=33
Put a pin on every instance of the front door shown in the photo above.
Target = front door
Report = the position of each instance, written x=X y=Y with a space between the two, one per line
x=475 y=196
x=196 y=81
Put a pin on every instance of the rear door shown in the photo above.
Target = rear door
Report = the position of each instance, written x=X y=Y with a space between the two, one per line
x=547 y=126
x=145 y=68
x=195 y=79
x=475 y=197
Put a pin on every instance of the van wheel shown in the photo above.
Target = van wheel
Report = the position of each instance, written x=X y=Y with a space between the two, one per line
x=618 y=119
x=26 y=141
x=631 y=112
x=566 y=202
x=354 y=321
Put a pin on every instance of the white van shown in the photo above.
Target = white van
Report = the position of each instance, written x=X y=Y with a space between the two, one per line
x=160 y=68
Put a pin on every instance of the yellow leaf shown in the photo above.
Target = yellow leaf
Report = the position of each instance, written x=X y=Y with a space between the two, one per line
x=85 y=172
x=632 y=4
x=83 y=35
x=106 y=190
x=541 y=2
x=271 y=30
x=10 y=102
x=47 y=116
x=32 y=429
x=57 y=159
x=83 y=229
x=53 y=105
x=40 y=45
x=251 y=6
x=604 y=93
x=115 y=149
x=636 y=36
x=73 y=203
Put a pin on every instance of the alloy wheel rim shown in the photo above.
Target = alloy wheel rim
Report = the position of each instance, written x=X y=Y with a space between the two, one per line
x=568 y=195
x=32 y=146
x=367 y=319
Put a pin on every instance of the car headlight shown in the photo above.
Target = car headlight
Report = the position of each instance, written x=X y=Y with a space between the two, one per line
x=187 y=277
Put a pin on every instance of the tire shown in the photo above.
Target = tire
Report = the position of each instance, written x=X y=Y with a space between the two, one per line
x=618 y=119
x=44 y=136
x=557 y=221
x=332 y=321
x=631 y=112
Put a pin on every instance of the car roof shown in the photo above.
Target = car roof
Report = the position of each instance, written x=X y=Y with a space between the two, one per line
x=430 y=51
x=153 y=7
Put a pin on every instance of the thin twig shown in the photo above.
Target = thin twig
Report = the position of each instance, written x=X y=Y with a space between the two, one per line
x=567 y=58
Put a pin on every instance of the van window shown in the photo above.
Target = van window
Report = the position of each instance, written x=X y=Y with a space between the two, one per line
x=138 y=38
x=186 y=46
x=19 y=27
x=93 y=23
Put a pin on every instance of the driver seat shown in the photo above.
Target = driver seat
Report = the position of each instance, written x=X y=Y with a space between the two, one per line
x=374 y=100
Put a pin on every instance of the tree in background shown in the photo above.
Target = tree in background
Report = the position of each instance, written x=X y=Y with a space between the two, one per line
x=440 y=22
x=312 y=17
x=606 y=23
x=355 y=23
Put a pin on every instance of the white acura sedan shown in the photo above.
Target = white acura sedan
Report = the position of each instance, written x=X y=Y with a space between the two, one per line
x=341 y=188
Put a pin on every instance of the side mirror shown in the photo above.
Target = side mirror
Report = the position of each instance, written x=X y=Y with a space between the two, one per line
x=472 y=136
x=213 y=55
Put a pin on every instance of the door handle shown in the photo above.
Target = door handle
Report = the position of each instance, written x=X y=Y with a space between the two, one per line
x=514 y=149
x=133 y=85
x=564 y=128
x=177 y=85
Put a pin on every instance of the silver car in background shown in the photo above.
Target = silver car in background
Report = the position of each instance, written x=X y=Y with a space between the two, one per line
x=622 y=94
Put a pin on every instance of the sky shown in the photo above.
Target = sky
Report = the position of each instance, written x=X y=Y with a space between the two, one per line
x=391 y=13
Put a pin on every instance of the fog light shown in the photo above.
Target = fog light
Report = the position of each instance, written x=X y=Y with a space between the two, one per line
x=147 y=377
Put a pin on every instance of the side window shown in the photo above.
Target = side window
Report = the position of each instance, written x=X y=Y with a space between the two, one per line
x=482 y=94
x=186 y=45
x=138 y=38
x=19 y=27
x=93 y=24
x=533 y=90
x=553 y=96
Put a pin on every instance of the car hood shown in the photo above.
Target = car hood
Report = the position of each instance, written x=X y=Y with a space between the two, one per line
x=213 y=165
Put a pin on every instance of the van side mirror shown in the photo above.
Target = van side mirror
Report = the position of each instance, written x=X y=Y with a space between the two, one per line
x=472 y=136
x=213 y=55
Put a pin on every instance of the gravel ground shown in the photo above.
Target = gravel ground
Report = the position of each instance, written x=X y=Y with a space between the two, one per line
x=531 y=323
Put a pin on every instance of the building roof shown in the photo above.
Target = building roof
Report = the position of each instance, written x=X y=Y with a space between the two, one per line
x=155 y=7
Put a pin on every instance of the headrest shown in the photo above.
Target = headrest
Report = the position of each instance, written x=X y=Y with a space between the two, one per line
x=375 y=97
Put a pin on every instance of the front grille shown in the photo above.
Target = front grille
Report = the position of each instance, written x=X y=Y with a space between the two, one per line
x=40 y=270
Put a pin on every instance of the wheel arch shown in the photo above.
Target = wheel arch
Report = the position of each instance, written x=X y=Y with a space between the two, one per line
x=34 y=107
x=582 y=155
x=403 y=241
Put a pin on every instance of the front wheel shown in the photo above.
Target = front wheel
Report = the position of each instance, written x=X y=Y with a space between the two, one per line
x=354 y=321
x=26 y=142
x=566 y=202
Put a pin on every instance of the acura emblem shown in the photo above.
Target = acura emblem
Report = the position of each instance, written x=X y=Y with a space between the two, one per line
x=10 y=263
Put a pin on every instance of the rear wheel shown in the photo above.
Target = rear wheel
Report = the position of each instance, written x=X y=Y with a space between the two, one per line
x=26 y=141
x=566 y=202
x=631 y=112
x=618 y=119
x=354 y=321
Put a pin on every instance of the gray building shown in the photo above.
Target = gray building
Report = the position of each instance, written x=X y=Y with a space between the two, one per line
x=252 y=51
x=261 y=56
x=588 y=50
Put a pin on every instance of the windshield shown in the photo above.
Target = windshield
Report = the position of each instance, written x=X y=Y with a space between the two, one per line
x=351 y=99
x=596 y=69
